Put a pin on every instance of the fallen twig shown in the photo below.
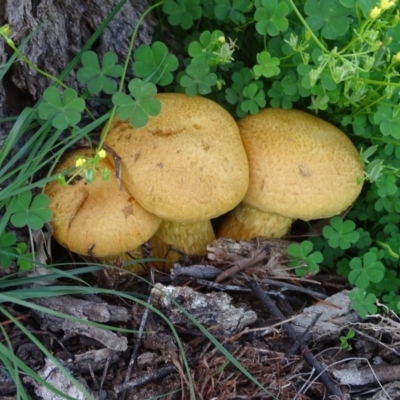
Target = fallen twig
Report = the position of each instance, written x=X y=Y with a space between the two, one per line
x=135 y=352
x=195 y=271
x=151 y=377
x=241 y=265
x=295 y=288
x=305 y=337
x=308 y=356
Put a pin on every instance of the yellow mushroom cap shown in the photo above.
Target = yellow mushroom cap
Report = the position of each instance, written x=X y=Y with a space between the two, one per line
x=97 y=218
x=300 y=166
x=187 y=164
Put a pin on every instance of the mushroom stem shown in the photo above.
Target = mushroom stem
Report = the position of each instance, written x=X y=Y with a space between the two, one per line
x=175 y=238
x=246 y=222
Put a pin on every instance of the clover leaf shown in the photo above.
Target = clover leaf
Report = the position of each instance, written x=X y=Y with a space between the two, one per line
x=366 y=270
x=340 y=233
x=31 y=212
x=271 y=17
x=198 y=79
x=232 y=9
x=254 y=98
x=387 y=185
x=392 y=300
x=7 y=242
x=363 y=303
x=154 y=63
x=282 y=94
x=332 y=19
x=303 y=258
x=62 y=110
x=96 y=77
x=267 y=66
x=388 y=119
x=24 y=259
x=205 y=49
x=139 y=105
x=182 y=12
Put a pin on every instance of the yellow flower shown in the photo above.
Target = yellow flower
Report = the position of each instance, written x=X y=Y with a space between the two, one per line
x=221 y=39
x=386 y=4
x=80 y=162
x=375 y=12
x=102 y=153
x=396 y=57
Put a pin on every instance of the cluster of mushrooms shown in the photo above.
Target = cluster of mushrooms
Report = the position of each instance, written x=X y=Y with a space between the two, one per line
x=193 y=163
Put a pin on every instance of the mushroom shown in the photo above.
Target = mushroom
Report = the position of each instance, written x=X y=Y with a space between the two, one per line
x=300 y=167
x=98 y=219
x=187 y=165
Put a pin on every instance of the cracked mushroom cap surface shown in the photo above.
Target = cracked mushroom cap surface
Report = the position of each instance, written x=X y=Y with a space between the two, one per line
x=300 y=166
x=97 y=218
x=188 y=163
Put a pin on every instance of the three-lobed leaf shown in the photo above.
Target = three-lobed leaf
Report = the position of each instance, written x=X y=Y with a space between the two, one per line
x=232 y=9
x=271 y=17
x=340 y=233
x=198 y=79
x=331 y=18
x=154 y=63
x=30 y=211
x=182 y=12
x=365 y=270
x=363 y=303
x=139 y=105
x=267 y=66
x=302 y=257
x=99 y=77
x=62 y=109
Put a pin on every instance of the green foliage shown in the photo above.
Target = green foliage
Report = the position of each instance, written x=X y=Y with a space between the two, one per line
x=182 y=12
x=363 y=303
x=8 y=241
x=154 y=63
x=332 y=21
x=139 y=105
x=271 y=17
x=365 y=270
x=231 y=9
x=99 y=78
x=31 y=212
x=63 y=110
x=303 y=259
x=267 y=66
x=198 y=79
x=341 y=233
x=344 y=340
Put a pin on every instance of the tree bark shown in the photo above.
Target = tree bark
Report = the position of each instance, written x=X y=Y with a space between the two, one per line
x=62 y=28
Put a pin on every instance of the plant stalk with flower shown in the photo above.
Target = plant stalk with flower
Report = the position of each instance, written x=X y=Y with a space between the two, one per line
x=86 y=168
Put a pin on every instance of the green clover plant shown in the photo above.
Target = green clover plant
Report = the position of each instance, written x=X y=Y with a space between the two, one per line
x=62 y=109
x=341 y=233
x=303 y=258
x=344 y=340
x=30 y=211
x=99 y=77
x=154 y=63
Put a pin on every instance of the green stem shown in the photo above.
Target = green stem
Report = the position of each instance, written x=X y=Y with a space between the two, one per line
x=309 y=30
x=30 y=63
x=127 y=59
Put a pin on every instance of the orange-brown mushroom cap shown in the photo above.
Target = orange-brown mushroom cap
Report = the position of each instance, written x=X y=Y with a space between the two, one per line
x=97 y=219
x=187 y=165
x=301 y=167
